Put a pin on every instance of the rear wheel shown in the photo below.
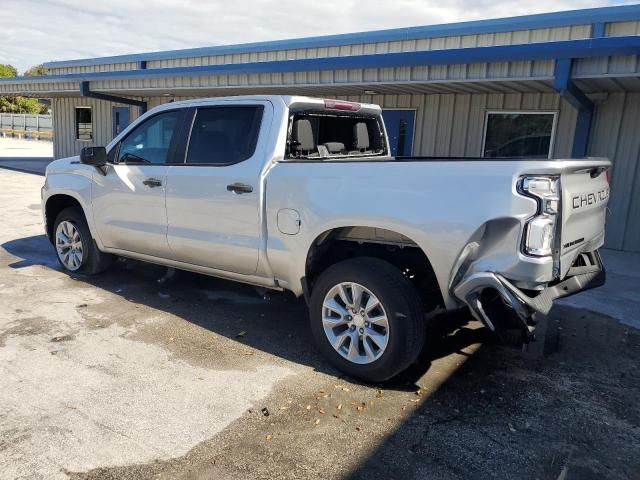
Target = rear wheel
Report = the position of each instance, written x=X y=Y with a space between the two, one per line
x=367 y=318
x=75 y=247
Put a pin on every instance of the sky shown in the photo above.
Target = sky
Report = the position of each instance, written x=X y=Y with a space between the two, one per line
x=37 y=31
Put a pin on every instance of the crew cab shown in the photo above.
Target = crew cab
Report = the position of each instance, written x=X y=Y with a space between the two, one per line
x=301 y=194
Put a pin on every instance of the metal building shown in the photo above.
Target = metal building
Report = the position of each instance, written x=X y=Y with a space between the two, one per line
x=560 y=85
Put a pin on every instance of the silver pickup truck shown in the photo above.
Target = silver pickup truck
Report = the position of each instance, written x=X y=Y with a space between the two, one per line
x=301 y=194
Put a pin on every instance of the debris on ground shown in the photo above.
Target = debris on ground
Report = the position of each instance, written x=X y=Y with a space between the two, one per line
x=62 y=338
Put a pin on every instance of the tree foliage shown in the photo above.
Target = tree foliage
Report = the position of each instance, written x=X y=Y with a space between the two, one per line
x=8 y=71
x=16 y=103
x=36 y=71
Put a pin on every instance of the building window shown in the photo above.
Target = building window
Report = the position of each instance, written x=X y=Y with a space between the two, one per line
x=519 y=134
x=84 y=124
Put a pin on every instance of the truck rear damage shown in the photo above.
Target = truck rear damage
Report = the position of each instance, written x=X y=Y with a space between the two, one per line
x=558 y=246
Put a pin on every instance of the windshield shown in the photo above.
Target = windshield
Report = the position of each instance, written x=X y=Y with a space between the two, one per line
x=322 y=135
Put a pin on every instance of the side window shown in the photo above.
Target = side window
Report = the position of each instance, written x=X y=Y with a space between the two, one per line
x=224 y=135
x=150 y=141
x=84 y=124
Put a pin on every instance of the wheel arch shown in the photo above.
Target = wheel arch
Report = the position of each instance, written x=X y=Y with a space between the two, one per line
x=396 y=247
x=57 y=202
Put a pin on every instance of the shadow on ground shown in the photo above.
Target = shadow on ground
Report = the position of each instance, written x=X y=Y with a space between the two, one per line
x=572 y=413
x=273 y=322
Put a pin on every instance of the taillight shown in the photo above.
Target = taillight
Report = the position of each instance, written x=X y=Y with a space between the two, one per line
x=608 y=174
x=540 y=231
x=340 y=105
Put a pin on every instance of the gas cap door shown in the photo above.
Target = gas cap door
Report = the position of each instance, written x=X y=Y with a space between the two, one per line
x=288 y=221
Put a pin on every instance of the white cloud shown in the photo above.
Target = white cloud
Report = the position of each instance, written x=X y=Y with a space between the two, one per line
x=34 y=31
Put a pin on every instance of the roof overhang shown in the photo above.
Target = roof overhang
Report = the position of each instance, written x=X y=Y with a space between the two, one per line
x=69 y=84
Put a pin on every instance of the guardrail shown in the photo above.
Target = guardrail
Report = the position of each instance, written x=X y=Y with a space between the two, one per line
x=26 y=126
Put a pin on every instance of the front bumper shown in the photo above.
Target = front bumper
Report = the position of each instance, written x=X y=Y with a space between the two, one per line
x=588 y=272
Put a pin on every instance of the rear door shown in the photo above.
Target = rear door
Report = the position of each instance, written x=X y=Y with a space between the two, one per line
x=213 y=198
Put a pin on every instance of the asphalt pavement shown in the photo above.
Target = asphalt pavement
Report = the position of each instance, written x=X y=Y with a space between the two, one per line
x=133 y=375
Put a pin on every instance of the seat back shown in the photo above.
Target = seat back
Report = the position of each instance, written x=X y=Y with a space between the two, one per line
x=360 y=137
x=302 y=133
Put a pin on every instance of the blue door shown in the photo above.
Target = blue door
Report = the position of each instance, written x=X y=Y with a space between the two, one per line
x=399 y=124
x=120 y=119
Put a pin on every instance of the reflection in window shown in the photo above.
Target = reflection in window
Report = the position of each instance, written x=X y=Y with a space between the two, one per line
x=224 y=135
x=150 y=141
x=518 y=135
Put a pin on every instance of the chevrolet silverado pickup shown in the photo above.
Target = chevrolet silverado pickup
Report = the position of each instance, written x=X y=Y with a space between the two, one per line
x=301 y=194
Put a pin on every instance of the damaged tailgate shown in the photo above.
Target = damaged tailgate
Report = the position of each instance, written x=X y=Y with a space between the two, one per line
x=585 y=194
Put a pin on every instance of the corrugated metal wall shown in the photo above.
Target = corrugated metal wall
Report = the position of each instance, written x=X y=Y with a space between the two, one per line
x=453 y=125
x=63 y=111
x=109 y=67
x=446 y=124
x=438 y=43
x=521 y=70
x=615 y=134
x=36 y=87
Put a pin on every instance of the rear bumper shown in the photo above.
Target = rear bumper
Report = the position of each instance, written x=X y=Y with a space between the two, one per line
x=590 y=274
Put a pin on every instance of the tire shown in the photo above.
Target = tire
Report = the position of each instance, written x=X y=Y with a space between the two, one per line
x=400 y=304
x=90 y=261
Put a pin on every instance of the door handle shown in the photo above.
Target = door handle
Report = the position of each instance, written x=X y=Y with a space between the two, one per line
x=239 y=188
x=152 y=182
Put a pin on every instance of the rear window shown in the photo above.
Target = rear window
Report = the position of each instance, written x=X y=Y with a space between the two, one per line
x=319 y=135
x=224 y=135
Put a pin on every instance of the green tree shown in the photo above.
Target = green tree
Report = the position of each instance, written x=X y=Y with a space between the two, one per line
x=8 y=71
x=36 y=71
x=16 y=103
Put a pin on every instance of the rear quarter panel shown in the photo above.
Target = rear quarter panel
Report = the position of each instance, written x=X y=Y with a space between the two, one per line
x=443 y=206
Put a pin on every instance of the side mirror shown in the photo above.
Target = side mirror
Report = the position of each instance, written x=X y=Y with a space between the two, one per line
x=95 y=156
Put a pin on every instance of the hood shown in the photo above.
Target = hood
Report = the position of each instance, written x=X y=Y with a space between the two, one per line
x=62 y=164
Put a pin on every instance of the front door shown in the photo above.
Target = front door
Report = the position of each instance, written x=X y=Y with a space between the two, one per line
x=399 y=125
x=129 y=200
x=213 y=199
x=120 y=119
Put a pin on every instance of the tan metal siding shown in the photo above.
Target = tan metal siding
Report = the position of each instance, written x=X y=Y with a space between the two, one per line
x=602 y=66
x=453 y=124
x=615 y=135
x=106 y=67
x=619 y=29
x=35 y=88
x=438 y=43
x=63 y=110
x=539 y=70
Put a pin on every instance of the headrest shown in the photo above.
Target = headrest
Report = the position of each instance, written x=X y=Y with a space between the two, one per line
x=303 y=134
x=360 y=136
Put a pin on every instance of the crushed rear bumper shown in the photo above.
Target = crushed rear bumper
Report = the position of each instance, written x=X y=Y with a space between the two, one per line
x=588 y=272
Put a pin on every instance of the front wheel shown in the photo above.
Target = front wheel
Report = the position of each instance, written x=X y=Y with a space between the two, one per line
x=75 y=248
x=367 y=318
